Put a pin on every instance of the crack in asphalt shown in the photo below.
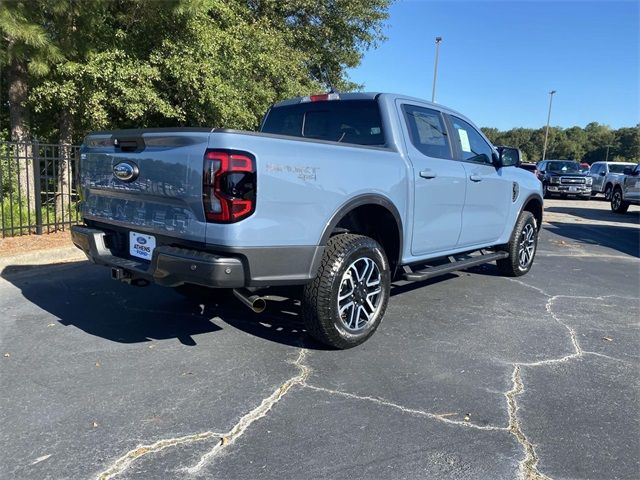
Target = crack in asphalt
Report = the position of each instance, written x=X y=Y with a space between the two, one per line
x=257 y=413
x=528 y=466
x=442 y=417
x=224 y=439
x=122 y=463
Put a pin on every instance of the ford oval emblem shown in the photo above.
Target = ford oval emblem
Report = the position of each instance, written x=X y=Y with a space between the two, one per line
x=141 y=240
x=125 y=171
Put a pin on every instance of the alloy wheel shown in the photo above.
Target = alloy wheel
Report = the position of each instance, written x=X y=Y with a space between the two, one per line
x=527 y=246
x=360 y=294
x=616 y=201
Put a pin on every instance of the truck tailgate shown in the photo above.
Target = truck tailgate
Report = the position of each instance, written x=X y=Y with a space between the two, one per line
x=163 y=195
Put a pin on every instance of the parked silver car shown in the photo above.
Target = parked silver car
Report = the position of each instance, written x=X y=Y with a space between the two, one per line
x=604 y=177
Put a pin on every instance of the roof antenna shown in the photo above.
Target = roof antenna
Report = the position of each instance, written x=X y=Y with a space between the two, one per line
x=324 y=76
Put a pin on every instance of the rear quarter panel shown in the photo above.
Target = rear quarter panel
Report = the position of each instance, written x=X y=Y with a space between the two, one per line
x=302 y=184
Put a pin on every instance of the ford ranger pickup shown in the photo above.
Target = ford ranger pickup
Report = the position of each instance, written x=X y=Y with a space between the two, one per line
x=338 y=193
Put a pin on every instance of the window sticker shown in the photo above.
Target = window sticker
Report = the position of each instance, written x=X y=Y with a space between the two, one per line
x=464 y=140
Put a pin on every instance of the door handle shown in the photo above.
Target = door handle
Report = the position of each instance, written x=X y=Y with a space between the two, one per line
x=475 y=177
x=428 y=174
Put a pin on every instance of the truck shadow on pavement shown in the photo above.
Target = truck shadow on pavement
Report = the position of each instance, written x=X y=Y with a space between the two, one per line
x=621 y=238
x=82 y=295
x=631 y=218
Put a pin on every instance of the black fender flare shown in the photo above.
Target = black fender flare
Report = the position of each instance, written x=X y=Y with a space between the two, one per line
x=533 y=196
x=360 y=200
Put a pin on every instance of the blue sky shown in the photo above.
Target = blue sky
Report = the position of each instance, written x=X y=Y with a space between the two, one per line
x=499 y=60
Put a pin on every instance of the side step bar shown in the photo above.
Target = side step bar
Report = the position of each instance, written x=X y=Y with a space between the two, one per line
x=430 y=272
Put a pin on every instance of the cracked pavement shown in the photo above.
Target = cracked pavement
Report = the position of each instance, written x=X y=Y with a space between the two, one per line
x=470 y=376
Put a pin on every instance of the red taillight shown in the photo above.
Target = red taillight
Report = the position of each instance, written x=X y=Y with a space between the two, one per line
x=321 y=97
x=228 y=186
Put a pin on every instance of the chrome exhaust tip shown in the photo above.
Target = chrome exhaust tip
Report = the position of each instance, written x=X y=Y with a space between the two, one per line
x=255 y=302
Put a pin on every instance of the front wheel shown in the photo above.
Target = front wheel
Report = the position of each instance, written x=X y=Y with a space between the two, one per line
x=344 y=305
x=522 y=247
x=607 y=192
x=618 y=205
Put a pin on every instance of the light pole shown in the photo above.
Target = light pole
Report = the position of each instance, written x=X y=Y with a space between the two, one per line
x=607 y=157
x=546 y=133
x=435 y=69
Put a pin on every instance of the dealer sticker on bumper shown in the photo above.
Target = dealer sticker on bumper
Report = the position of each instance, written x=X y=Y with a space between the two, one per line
x=141 y=245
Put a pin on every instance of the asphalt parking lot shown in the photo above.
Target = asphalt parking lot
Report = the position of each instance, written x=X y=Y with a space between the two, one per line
x=470 y=376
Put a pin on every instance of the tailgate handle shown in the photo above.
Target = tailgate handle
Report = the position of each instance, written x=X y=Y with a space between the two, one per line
x=129 y=144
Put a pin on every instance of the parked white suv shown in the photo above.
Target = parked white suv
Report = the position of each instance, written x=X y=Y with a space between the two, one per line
x=604 y=177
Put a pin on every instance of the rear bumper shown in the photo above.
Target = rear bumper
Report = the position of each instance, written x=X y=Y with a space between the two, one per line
x=172 y=266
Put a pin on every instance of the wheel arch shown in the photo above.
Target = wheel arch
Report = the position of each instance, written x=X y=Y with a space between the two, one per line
x=372 y=215
x=533 y=204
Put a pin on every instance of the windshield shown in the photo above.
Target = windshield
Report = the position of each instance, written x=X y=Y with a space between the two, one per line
x=617 y=168
x=347 y=121
x=563 y=167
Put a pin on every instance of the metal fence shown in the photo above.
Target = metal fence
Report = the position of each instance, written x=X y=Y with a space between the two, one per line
x=38 y=187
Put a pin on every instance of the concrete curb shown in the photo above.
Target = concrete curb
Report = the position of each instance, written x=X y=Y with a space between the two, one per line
x=43 y=257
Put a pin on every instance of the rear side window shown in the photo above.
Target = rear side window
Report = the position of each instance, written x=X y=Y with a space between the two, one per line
x=617 y=168
x=427 y=131
x=346 y=121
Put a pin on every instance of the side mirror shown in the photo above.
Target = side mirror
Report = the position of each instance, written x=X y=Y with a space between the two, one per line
x=495 y=160
x=509 y=157
x=628 y=171
x=602 y=174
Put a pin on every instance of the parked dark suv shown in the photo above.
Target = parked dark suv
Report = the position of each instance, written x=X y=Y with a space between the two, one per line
x=564 y=178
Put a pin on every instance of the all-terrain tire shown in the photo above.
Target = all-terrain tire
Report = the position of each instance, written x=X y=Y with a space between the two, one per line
x=608 y=190
x=320 y=300
x=524 y=235
x=618 y=205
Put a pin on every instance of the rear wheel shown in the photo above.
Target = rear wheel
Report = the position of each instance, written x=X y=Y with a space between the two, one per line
x=522 y=247
x=345 y=303
x=618 y=205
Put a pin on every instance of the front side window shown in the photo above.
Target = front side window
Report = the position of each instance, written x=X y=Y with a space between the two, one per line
x=427 y=131
x=473 y=146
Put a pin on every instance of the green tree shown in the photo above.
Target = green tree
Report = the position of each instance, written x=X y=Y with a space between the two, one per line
x=197 y=62
x=25 y=49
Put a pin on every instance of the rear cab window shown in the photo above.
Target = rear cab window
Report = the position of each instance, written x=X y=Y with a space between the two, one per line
x=356 y=122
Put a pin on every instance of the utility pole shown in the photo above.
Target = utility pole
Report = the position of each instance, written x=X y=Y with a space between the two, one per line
x=546 y=133
x=607 y=157
x=435 y=69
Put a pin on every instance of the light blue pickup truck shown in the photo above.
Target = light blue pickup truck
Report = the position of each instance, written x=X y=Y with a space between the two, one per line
x=339 y=193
